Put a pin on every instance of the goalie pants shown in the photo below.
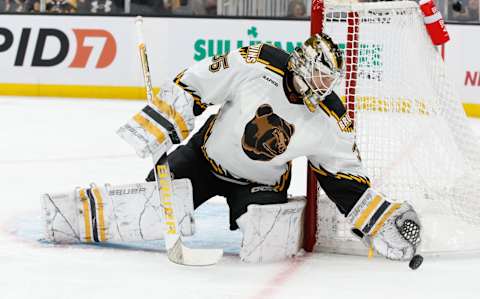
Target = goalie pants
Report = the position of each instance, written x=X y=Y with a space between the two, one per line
x=188 y=161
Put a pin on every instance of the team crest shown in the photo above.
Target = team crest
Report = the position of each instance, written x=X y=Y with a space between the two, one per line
x=267 y=135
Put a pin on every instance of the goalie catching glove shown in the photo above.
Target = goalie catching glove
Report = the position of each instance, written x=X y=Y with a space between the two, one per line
x=392 y=229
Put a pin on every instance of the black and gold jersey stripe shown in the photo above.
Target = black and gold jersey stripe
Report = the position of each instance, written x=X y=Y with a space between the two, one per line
x=282 y=185
x=333 y=106
x=342 y=188
x=198 y=105
x=274 y=59
x=339 y=175
x=284 y=182
x=346 y=176
x=210 y=122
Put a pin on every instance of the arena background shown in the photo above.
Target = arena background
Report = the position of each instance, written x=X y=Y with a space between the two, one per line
x=96 y=56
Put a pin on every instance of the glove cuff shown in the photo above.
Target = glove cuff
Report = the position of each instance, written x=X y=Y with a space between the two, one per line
x=370 y=213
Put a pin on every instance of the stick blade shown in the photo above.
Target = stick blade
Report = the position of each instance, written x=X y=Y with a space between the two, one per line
x=182 y=255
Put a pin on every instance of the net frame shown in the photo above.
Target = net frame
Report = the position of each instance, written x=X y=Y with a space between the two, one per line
x=466 y=222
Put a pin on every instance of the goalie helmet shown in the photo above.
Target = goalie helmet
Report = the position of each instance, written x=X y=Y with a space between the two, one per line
x=317 y=66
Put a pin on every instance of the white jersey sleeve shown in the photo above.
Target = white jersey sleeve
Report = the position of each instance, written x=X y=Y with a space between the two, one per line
x=170 y=117
x=211 y=81
x=207 y=82
x=338 y=165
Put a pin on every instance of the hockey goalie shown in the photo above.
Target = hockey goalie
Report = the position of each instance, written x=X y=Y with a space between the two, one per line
x=275 y=107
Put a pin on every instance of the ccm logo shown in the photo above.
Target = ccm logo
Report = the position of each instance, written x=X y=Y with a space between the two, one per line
x=45 y=35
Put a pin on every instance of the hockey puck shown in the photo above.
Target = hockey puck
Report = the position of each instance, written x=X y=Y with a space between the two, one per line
x=415 y=262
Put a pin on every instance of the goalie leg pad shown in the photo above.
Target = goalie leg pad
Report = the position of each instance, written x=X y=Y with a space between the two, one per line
x=114 y=213
x=272 y=232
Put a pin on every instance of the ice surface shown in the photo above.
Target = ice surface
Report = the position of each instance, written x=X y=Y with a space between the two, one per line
x=55 y=145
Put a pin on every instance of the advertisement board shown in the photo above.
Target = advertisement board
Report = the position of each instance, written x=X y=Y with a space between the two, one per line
x=96 y=57
x=65 y=50
x=462 y=56
x=85 y=56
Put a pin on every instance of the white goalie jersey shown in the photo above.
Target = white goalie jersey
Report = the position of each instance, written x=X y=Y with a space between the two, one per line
x=261 y=125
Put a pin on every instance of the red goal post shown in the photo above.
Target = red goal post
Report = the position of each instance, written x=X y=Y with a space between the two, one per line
x=316 y=26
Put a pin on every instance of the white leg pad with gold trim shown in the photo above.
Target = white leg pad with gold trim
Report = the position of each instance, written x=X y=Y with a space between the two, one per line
x=272 y=232
x=114 y=213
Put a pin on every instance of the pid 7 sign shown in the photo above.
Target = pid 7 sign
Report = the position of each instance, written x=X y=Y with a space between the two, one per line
x=87 y=41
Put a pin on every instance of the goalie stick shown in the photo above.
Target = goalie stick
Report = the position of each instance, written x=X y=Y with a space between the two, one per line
x=177 y=252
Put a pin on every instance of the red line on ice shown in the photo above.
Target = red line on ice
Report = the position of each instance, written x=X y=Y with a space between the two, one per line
x=280 y=279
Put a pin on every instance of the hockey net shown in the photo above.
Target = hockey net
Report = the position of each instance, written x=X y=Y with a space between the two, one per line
x=412 y=132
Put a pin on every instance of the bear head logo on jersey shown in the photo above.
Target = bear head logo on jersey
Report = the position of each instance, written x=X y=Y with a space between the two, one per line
x=267 y=135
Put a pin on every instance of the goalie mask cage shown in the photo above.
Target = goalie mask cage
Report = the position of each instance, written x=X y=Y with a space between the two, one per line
x=410 y=127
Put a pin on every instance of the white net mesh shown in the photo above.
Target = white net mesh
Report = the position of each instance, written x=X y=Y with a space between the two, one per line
x=411 y=129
